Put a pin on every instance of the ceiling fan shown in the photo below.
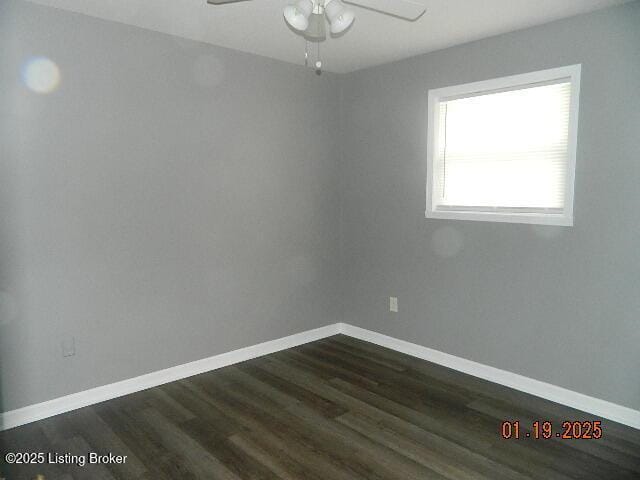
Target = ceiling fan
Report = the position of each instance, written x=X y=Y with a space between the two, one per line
x=307 y=17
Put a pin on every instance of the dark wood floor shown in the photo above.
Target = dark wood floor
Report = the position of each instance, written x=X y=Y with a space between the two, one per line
x=336 y=409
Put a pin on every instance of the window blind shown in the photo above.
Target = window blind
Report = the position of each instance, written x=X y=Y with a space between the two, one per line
x=506 y=150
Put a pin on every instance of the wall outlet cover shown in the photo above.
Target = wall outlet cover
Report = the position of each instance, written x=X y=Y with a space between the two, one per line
x=393 y=304
x=69 y=347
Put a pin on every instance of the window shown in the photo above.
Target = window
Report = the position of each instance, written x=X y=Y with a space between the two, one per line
x=504 y=150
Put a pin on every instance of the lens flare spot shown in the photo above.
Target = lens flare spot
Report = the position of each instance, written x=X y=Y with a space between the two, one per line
x=447 y=242
x=41 y=75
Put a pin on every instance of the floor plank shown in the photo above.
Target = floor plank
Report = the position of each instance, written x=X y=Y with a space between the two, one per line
x=335 y=409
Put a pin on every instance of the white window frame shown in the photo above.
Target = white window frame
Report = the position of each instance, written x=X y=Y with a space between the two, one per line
x=571 y=73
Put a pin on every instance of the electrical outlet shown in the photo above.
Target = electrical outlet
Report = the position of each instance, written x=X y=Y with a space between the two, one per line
x=393 y=304
x=69 y=347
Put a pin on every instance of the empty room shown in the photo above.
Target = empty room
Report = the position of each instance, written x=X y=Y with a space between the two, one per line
x=320 y=239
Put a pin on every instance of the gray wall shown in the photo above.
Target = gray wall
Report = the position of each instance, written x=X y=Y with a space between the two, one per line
x=168 y=202
x=557 y=304
x=173 y=200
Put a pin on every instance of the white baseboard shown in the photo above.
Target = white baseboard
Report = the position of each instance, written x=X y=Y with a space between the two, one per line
x=39 y=411
x=585 y=403
x=579 y=401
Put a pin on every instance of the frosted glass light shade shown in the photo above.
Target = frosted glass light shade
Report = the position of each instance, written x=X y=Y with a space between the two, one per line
x=298 y=15
x=339 y=17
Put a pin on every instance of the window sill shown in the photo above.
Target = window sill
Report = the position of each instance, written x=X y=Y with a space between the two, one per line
x=561 y=220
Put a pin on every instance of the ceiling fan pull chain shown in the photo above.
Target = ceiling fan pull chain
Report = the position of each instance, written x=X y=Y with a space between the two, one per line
x=318 y=60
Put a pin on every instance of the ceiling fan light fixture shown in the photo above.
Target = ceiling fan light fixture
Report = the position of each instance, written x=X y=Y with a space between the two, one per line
x=298 y=15
x=340 y=18
x=316 y=30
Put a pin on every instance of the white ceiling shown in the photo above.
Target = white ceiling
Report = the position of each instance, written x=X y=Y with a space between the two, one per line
x=257 y=26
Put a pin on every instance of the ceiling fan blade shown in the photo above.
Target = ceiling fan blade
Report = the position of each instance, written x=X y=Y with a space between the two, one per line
x=222 y=2
x=397 y=8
